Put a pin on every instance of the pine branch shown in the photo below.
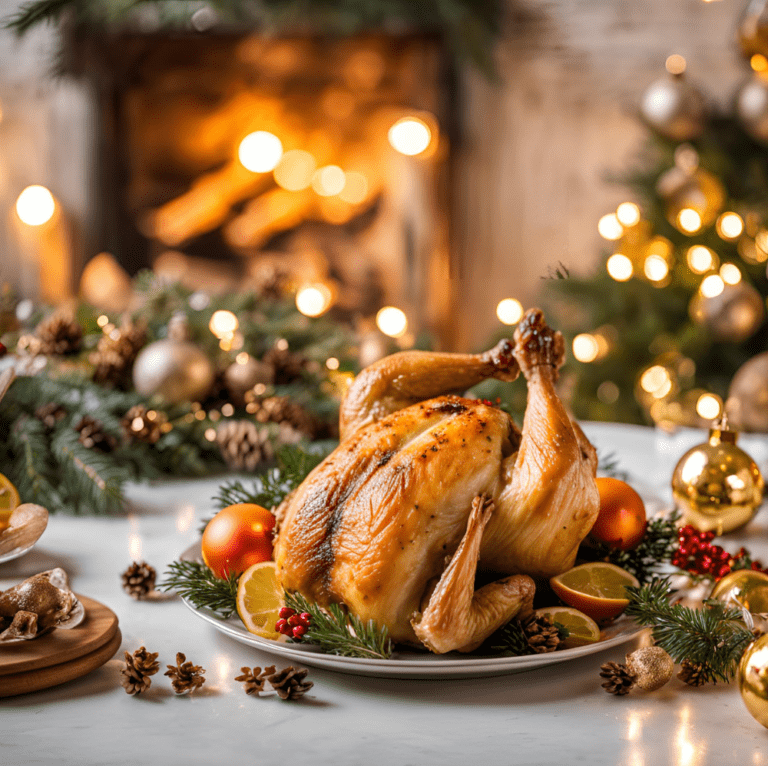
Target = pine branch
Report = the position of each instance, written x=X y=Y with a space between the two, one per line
x=510 y=640
x=713 y=636
x=33 y=13
x=342 y=634
x=196 y=583
x=608 y=465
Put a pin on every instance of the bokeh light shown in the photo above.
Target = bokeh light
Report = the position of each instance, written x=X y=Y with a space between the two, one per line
x=628 y=214
x=712 y=286
x=313 y=300
x=355 y=188
x=295 y=170
x=509 y=311
x=610 y=227
x=585 y=347
x=688 y=220
x=730 y=273
x=410 y=136
x=392 y=322
x=700 y=259
x=619 y=267
x=709 y=406
x=657 y=381
x=329 y=180
x=655 y=268
x=223 y=324
x=730 y=225
x=675 y=64
x=35 y=205
x=260 y=152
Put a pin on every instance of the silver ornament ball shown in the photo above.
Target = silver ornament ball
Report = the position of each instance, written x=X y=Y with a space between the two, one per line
x=241 y=376
x=674 y=108
x=176 y=370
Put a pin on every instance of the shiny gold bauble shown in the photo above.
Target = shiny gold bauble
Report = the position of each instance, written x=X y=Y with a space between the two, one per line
x=753 y=29
x=651 y=666
x=176 y=370
x=753 y=679
x=734 y=315
x=695 y=190
x=752 y=106
x=674 y=108
x=242 y=376
x=748 y=395
x=745 y=588
x=717 y=486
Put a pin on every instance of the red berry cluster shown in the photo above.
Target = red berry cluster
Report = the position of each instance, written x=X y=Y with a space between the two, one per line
x=697 y=554
x=291 y=624
x=3 y=350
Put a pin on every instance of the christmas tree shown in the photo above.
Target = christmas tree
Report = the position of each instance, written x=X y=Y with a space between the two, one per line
x=677 y=306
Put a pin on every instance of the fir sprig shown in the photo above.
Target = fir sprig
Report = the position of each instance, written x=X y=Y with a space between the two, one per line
x=197 y=583
x=714 y=636
x=510 y=640
x=337 y=632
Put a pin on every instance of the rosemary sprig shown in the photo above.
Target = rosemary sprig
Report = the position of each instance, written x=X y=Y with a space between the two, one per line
x=196 y=583
x=714 y=636
x=336 y=632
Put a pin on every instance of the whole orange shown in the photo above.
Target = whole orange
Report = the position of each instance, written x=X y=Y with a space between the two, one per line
x=621 y=520
x=238 y=537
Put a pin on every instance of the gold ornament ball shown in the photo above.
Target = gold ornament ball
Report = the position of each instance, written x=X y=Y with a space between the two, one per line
x=752 y=106
x=745 y=588
x=651 y=666
x=748 y=394
x=696 y=190
x=176 y=370
x=734 y=315
x=753 y=679
x=674 y=108
x=240 y=377
x=717 y=485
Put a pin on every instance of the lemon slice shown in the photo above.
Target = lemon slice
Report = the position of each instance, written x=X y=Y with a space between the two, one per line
x=582 y=630
x=259 y=598
x=9 y=500
x=596 y=588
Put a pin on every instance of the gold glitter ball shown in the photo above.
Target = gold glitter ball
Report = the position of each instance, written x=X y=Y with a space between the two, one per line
x=651 y=666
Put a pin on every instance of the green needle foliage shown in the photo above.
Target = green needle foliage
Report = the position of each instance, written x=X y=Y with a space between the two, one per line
x=196 y=583
x=336 y=632
x=714 y=636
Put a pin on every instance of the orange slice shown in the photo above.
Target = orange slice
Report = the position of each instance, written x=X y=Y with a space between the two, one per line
x=259 y=598
x=9 y=500
x=596 y=588
x=582 y=630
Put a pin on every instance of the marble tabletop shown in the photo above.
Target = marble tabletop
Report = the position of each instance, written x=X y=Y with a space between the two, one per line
x=553 y=715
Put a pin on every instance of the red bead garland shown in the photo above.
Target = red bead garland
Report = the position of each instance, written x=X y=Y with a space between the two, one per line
x=291 y=624
x=696 y=554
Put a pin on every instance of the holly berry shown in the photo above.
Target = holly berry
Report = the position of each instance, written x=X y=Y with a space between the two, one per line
x=698 y=555
x=3 y=350
x=291 y=624
x=620 y=522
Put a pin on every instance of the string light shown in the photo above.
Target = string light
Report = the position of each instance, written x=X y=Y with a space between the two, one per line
x=619 y=267
x=329 y=180
x=509 y=311
x=712 y=286
x=688 y=220
x=260 y=152
x=313 y=300
x=392 y=322
x=410 y=136
x=655 y=268
x=223 y=324
x=609 y=227
x=700 y=259
x=675 y=64
x=730 y=273
x=295 y=170
x=628 y=214
x=35 y=205
x=730 y=225
x=585 y=347
x=709 y=406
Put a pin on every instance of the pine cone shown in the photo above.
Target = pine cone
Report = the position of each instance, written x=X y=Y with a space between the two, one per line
x=618 y=680
x=50 y=414
x=287 y=365
x=139 y=580
x=289 y=683
x=280 y=409
x=269 y=280
x=541 y=634
x=185 y=677
x=141 y=424
x=93 y=435
x=254 y=680
x=692 y=673
x=139 y=666
x=243 y=446
x=59 y=334
x=116 y=352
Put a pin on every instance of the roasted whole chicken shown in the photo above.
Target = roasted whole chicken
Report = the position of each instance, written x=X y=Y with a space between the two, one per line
x=427 y=488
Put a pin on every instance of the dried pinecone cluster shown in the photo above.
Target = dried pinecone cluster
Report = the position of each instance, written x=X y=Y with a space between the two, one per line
x=541 y=634
x=144 y=425
x=185 y=677
x=93 y=435
x=116 y=352
x=289 y=683
x=58 y=334
x=141 y=665
x=280 y=409
x=50 y=414
x=243 y=444
x=139 y=580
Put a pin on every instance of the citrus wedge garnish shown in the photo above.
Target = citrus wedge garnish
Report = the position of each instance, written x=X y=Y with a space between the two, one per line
x=259 y=598
x=582 y=630
x=9 y=500
x=596 y=588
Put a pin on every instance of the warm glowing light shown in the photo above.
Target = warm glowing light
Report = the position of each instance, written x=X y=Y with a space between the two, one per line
x=355 y=188
x=610 y=227
x=688 y=220
x=675 y=64
x=102 y=320
x=410 y=136
x=509 y=311
x=210 y=434
x=392 y=321
x=329 y=180
x=260 y=152
x=708 y=406
x=730 y=225
x=223 y=324
x=619 y=267
x=700 y=259
x=628 y=213
x=243 y=357
x=730 y=273
x=35 y=205
x=712 y=286
x=585 y=347
x=332 y=363
x=655 y=268
x=759 y=63
x=313 y=300
x=295 y=170
x=656 y=379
